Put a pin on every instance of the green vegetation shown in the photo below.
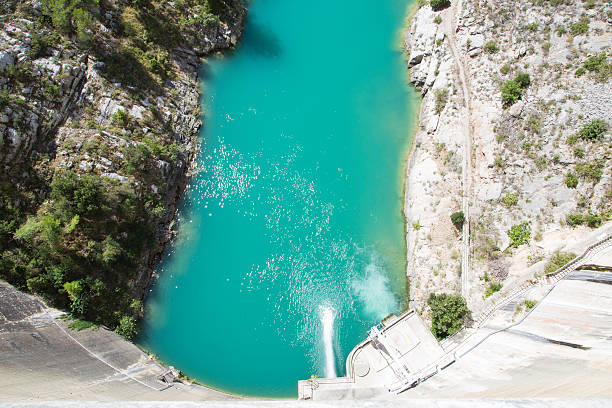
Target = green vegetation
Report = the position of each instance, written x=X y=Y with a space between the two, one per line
x=438 y=19
x=491 y=47
x=441 y=99
x=519 y=234
x=581 y=27
x=505 y=69
x=558 y=260
x=492 y=288
x=530 y=304
x=593 y=130
x=416 y=225
x=457 y=218
x=79 y=325
x=591 y=171
x=592 y=220
x=439 y=4
x=513 y=89
x=571 y=180
x=448 y=314
x=82 y=248
x=71 y=16
x=127 y=327
x=510 y=199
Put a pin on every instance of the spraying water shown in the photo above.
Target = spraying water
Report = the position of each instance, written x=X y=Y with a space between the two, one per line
x=327 y=321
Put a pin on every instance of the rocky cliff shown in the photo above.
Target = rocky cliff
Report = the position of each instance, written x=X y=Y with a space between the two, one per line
x=99 y=117
x=514 y=137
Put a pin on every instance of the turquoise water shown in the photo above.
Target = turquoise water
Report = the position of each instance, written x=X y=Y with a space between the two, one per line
x=295 y=217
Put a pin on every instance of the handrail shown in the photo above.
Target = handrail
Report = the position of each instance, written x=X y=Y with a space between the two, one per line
x=550 y=278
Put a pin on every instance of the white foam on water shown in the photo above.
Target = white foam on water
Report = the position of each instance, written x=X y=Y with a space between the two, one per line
x=328 y=316
x=373 y=291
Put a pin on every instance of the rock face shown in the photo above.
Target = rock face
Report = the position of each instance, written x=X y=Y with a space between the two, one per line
x=520 y=154
x=66 y=106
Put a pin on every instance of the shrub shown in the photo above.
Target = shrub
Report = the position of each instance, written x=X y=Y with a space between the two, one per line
x=532 y=27
x=593 y=130
x=530 y=304
x=581 y=27
x=574 y=220
x=448 y=314
x=511 y=92
x=491 y=47
x=591 y=171
x=441 y=99
x=505 y=69
x=561 y=30
x=492 y=288
x=438 y=19
x=578 y=152
x=457 y=218
x=595 y=63
x=523 y=80
x=439 y=4
x=510 y=199
x=579 y=72
x=593 y=220
x=558 y=260
x=519 y=234
x=127 y=327
x=571 y=180
x=5 y=97
x=120 y=118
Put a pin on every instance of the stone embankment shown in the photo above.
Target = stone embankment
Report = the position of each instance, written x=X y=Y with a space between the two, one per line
x=525 y=161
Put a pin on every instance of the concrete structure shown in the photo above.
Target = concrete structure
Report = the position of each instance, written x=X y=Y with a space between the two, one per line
x=560 y=348
x=41 y=360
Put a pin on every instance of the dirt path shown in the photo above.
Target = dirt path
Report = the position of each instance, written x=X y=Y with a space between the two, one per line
x=449 y=27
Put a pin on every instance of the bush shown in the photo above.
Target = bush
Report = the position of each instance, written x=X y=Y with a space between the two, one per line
x=519 y=234
x=558 y=260
x=457 y=218
x=571 y=180
x=581 y=27
x=127 y=327
x=491 y=47
x=448 y=314
x=530 y=304
x=579 y=72
x=593 y=220
x=593 y=130
x=441 y=99
x=438 y=19
x=523 y=80
x=505 y=69
x=492 y=288
x=511 y=92
x=5 y=97
x=591 y=171
x=439 y=4
x=561 y=30
x=595 y=63
x=574 y=220
x=510 y=199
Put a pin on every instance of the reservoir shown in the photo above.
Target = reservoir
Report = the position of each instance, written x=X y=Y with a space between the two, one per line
x=291 y=234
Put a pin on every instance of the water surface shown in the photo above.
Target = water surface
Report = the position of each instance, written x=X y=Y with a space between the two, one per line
x=291 y=241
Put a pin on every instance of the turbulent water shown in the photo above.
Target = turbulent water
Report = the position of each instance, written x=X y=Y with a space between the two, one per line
x=291 y=241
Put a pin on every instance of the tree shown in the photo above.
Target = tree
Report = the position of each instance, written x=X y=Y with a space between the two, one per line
x=448 y=313
x=127 y=327
x=523 y=80
x=457 y=218
x=437 y=5
x=511 y=92
x=519 y=234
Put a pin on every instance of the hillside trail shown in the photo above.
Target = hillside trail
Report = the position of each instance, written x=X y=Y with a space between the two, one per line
x=449 y=28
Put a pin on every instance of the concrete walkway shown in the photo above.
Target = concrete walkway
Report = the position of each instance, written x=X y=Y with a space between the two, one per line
x=41 y=360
